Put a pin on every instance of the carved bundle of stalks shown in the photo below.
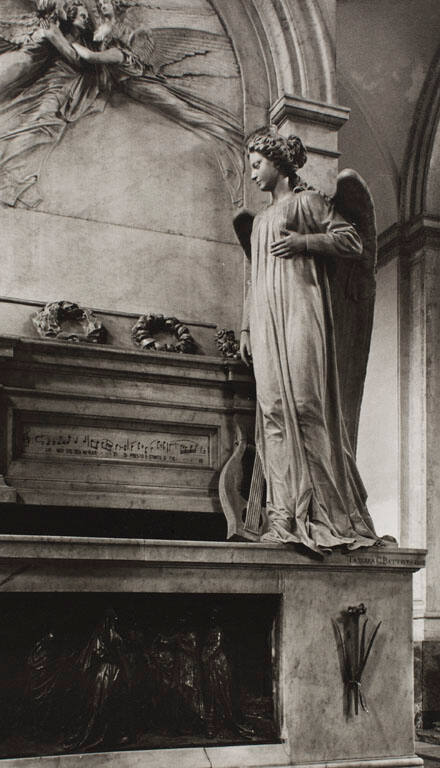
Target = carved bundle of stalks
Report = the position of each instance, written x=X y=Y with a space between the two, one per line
x=355 y=653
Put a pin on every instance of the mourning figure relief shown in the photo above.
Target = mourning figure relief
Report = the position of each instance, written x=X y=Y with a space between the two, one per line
x=68 y=63
x=44 y=670
x=151 y=673
x=221 y=711
x=103 y=684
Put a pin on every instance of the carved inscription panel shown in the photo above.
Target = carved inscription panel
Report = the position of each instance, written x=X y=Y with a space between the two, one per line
x=164 y=447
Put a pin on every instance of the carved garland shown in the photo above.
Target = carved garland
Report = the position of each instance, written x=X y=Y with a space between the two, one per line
x=66 y=321
x=227 y=344
x=148 y=327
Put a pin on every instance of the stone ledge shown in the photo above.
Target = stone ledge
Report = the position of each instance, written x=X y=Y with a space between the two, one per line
x=105 y=358
x=192 y=554
x=256 y=756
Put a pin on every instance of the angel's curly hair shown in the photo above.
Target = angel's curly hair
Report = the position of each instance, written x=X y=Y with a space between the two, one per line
x=288 y=154
x=118 y=5
x=71 y=9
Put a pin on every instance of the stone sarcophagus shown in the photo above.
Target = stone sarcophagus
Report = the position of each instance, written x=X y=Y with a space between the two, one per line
x=160 y=654
x=115 y=428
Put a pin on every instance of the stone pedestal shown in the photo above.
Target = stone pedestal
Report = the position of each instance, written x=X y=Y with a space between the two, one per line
x=315 y=728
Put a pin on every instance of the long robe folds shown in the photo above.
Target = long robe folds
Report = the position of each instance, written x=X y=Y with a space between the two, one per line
x=62 y=92
x=34 y=122
x=315 y=496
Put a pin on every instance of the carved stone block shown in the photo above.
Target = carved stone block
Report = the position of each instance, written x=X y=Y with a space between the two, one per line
x=112 y=428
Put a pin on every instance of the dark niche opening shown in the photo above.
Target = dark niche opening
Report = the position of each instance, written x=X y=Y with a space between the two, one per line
x=105 y=672
x=42 y=520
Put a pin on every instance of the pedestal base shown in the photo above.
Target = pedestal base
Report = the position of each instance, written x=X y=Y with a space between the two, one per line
x=314 y=713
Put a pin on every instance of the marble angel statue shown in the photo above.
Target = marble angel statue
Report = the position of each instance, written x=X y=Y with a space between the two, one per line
x=62 y=70
x=306 y=327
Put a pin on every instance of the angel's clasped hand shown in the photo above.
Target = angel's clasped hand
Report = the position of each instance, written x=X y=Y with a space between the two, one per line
x=291 y=244
x=46 y=31
x=82 y=51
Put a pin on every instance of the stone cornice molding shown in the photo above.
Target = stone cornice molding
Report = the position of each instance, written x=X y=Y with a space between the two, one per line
x=46 y=355
x=388 y=245
x=287 y=47
x=151 y=553
x=404 y=239
x=305 y=110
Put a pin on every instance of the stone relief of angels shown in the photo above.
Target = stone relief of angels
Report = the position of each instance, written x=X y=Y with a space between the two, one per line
x=60 y=63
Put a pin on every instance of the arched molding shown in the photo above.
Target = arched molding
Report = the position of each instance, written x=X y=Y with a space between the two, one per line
x=283 y=47
x=305 y=50
x=419 y=172
x=252 y=50
x=317 y=46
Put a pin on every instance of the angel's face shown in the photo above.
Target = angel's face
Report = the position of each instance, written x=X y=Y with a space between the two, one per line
x=263 y=171
x=82 y=19
x=106 y=8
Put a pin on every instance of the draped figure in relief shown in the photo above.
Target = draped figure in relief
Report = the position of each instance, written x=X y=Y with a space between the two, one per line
x=63 y=69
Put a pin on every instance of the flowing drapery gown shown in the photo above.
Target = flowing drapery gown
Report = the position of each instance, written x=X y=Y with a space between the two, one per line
x=20 y=65
x=33 y=123
x=315 y=496
x=101 y=715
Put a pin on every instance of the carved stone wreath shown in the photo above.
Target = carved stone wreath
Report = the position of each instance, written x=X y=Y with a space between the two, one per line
x=227 y=344
x=148 y=327
x=66 y=321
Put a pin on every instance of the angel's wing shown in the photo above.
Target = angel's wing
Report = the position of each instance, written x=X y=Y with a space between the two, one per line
x=182 y=52
x=243 y=223
x=179 y=52
x=7 y=45
x=353 y=288
x=18 y=27
x=143 y=44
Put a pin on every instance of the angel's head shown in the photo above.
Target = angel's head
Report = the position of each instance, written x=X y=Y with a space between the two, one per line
x=108 y=9
x=77 y=15
x=282 y=155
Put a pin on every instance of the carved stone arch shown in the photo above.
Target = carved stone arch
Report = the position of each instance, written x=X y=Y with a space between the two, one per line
x=252 y=50
x=310 y=50
x=283 y=48
x=421 y=172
